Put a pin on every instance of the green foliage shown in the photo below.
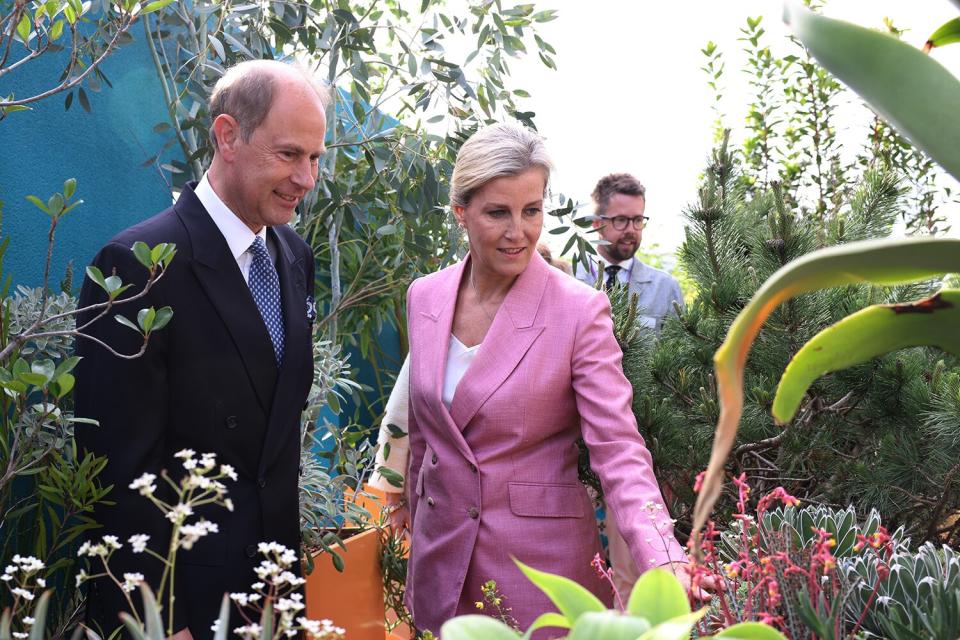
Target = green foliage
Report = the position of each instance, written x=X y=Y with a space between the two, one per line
x=658 y=610
x=89 y=31
x=919 y=599
x=863 y=436
x=402 y=104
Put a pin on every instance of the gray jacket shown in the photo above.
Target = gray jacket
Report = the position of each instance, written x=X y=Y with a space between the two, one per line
x=657 y=290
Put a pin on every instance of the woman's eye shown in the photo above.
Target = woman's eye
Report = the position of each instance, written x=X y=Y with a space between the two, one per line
x=532 y=211
x=497 y=213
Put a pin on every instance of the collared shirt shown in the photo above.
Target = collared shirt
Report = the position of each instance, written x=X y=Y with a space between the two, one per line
x=238 y=235
x=623 y=276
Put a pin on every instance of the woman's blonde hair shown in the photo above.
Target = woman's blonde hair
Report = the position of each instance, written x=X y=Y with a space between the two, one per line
x=495 y=152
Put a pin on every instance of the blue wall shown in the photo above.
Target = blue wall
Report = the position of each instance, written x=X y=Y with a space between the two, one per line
x=103 y=150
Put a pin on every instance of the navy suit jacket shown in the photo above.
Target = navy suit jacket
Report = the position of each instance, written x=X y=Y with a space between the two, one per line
x=208 y=382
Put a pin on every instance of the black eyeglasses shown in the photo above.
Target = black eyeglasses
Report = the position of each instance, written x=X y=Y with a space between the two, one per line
x=620 y=222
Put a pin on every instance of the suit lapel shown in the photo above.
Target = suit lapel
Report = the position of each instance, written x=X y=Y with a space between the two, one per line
x=509 y=338
x=436 y=324
x=221 y=280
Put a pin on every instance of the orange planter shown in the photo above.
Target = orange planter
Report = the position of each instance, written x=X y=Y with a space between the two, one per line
x=352 y=599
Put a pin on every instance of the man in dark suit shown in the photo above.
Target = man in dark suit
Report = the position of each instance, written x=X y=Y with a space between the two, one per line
x=231 y=372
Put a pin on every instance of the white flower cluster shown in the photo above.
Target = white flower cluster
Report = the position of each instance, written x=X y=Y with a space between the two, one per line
x=278 y=584
x=131 y=581
x=145 y=484
x=18 y=576
x=193 y=532
x=102 y=549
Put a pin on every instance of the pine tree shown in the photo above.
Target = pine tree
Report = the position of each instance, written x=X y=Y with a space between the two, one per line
x=885 y=434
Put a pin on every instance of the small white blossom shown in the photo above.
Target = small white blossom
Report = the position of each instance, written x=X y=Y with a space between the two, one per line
x=208 y=461
x=228 y=504
x=28 y=564
x=81 y=577
x=27 y=620
x=23 y=593
x=139 y=542
x=41 y=583
x=145 y=484
x=242 y=599
x=111 y=542
x=193 y=532
x=131 y=581
x=6 y=577
x=189 y=464
x=227 y=470
x=248 y=631
x=179 y=513
x=185 y=454
x=20 y=635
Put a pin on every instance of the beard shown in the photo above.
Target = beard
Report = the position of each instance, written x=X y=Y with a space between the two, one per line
x=620 y=251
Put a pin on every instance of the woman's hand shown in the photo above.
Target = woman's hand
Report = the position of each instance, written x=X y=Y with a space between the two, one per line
x=683 y=570
x=398 y=513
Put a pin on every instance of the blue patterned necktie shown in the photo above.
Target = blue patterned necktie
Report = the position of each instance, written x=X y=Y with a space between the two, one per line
x=265 y=287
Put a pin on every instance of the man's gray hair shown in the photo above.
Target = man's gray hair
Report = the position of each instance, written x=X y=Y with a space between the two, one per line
x=494 y=152
x=245 y=92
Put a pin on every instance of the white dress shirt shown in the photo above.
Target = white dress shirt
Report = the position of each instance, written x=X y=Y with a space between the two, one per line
x=623 y=276
x=238 y=235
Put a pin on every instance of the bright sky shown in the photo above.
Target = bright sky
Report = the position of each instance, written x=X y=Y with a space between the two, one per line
x=629 y=94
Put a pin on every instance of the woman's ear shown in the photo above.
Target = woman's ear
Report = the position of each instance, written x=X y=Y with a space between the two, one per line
x=458 y=213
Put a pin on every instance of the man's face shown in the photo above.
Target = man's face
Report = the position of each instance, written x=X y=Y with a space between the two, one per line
x=623 y=242
x=276 y=168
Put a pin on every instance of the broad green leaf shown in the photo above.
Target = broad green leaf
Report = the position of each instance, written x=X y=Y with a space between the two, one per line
x=38 y=203
x=142 y=253
x=884 y=262
x=20 y=367
x=127 y=323
x=675 y=629
x=751 y=631
x=55 y=32
x=155 y=6
x=864 y=335
x=23 y=27
x=164 y=315
x=145 y=318
x=65 y=384
x=96 y=275
x=55 y=205
x=35 y=379
x=657 y=597
x=608 y=625
x=549 y=619
x=912 y=91
x=113 y=283
x=949 y=33
x=476 y=628
x=45 y=368
x=569 y=597
x=66 y=366
x=40 y=615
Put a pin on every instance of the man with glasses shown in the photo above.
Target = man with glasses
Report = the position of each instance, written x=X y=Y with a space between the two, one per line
x=619 y=201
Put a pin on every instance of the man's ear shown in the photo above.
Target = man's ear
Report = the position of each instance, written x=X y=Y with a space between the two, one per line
x=227 y=131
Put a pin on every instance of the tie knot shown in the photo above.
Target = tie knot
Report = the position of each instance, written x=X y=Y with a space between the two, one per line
x=612 y=270
x=259 y=248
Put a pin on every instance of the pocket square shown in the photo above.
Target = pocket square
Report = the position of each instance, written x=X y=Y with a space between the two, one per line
x=311 y=309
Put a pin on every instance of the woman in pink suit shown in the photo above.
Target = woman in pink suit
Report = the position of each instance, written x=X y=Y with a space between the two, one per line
x=511 y=361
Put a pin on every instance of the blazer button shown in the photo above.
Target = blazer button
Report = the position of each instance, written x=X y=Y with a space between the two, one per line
x=431 y=501
x=262 y=483
x=251 y=550
x=232 y=422
x=434 y=459
x=473 y=512
x=473 y=468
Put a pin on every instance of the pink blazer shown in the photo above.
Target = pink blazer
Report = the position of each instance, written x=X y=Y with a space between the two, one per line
x=496 y=475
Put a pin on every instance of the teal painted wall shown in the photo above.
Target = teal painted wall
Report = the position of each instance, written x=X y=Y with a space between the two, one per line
x=103 y=150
